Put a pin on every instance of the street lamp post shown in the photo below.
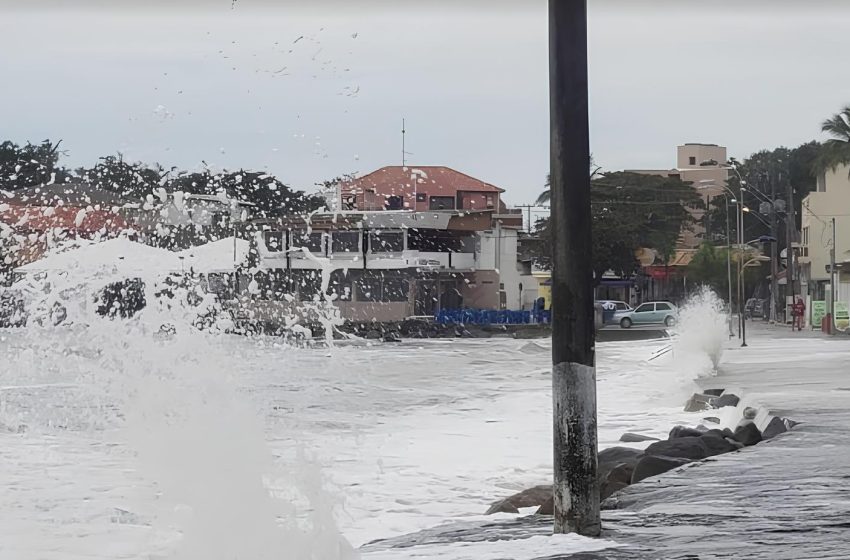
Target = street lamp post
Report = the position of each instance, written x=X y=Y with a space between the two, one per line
x=741 y=280
x=708 y=183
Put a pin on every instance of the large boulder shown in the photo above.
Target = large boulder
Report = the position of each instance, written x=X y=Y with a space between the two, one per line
x=527 y=498
x=698 y=402
x=615 y=479
x=775 y=427
x=630 y=437
x=727 y=399
x=717 y=432
x=616 y=455
x=683 y=431
x=747 y=433
x=718 y=444
x=691 y=448
x=547 y=507
x=652 y=465
x=614 y=472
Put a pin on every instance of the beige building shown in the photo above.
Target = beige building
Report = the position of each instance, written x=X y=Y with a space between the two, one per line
x=704 y=165
x=829 y=201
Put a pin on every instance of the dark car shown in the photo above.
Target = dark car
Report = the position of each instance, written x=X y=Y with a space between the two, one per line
x=755 y=308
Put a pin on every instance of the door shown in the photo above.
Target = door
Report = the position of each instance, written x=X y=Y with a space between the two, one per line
x=645 y=313
x=662 y=311
x=426 y=298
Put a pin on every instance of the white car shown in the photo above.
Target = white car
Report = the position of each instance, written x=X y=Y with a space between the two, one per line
x=653 y=312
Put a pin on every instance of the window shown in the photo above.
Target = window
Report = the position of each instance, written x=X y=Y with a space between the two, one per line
x=421 y=197
x=377 y=288
x=645 y=308
x=339 y=287
x=806 y=235
x=386 y=242
x=308 y=283
x=621 y=306
x=692 y=160
x=346 y=242
x=442 y=203
x=368 y=288
x=310 y=241
x=394 y=203
x=491 y=201
x=663 y=307
x=274 y=241
x=395 y=289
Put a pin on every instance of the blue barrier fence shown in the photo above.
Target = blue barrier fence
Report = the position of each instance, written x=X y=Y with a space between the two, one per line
x=491 y=317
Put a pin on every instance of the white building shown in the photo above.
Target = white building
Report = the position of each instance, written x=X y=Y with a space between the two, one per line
x=390 y=265
x=830 y=201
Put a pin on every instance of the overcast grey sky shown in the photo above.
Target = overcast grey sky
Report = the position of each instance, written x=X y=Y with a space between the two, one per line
x=312 y=90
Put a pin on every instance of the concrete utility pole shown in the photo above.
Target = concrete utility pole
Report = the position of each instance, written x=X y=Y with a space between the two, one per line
x=774 y=255
x=576 y=489
x=832 y=282
x=729 y=265
x=790 y=238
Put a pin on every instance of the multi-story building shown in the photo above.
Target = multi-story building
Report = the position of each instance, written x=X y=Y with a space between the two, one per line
x=401 y=242
x=827 y=203
x=390 y=265
x=418 y=188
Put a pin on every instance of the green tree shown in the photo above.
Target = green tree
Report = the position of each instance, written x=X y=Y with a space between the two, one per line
x=133 y=181
x=767 y=173
x=709 y=268
x=836 y=150
x=270 y=195
x=631 y=211
x=30 y=165
x=546 y=195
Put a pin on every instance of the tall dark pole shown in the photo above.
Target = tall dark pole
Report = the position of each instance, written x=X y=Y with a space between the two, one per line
x=774 y=254
x=790 y=238
x=729 y=265
x=576 y=488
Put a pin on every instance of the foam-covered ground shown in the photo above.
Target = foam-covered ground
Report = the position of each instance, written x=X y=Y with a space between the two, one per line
x=123 y=444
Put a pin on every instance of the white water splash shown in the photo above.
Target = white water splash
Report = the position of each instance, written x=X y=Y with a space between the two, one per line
x=702 y=332
x=213 y=490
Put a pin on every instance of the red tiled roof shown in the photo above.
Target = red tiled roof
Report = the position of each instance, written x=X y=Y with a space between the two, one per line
x=436 y=178
x=63 y=218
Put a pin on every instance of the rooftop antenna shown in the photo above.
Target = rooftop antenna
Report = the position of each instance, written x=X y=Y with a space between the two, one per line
x=403 y=153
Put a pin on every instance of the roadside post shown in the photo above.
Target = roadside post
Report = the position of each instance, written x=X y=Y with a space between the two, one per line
x=576 y=489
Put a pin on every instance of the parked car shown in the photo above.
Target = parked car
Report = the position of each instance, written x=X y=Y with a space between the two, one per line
x=617 y=306
x=653 y=312
x=612 y=308
x=756 y=308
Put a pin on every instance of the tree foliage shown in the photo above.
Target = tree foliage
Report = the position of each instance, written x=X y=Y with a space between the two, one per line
x=836 y=150
x=631 y=211
x=709 y=267
x=32 y=165
x=29 y=165
x=767 y=173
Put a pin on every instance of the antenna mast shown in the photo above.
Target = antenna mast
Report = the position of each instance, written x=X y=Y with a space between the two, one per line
x=403 y=153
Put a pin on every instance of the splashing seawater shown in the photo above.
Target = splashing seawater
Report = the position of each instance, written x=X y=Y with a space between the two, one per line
x=216 y=491
x=702 y=331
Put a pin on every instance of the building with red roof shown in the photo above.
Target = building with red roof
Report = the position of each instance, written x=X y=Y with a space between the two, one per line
x=419 y=188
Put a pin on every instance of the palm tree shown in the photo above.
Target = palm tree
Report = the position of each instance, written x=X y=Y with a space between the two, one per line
x=546 y=195
x=836 y=150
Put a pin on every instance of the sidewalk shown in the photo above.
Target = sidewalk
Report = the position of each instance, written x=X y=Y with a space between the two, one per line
x=788 y=498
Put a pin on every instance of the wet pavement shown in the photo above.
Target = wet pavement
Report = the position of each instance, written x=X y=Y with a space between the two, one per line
x=785 y=499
